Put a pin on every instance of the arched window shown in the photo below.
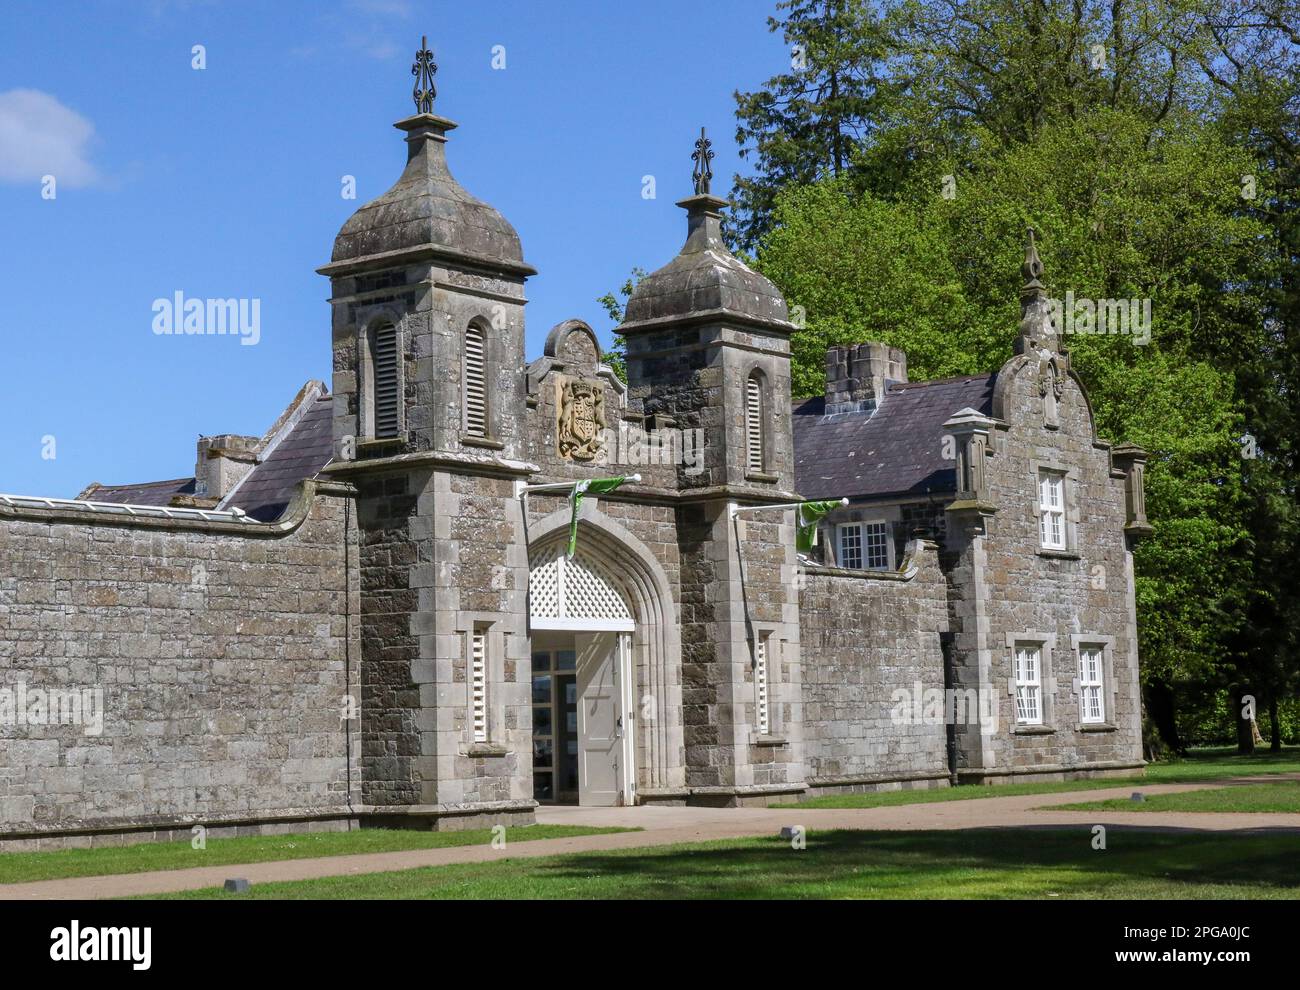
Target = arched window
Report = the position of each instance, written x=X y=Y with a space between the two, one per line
x=475 y=381
x=755 y=434
x=385 y=418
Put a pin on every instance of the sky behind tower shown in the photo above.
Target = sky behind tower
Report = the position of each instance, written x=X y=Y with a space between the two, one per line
x=227 y=181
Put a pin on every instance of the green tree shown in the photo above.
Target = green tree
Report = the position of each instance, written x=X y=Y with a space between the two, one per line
x=806 y=123
x=614 y=304
x=1120 y=216
x=1116 y=127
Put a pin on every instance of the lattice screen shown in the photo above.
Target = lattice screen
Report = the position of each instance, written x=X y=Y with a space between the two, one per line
x=573 y=589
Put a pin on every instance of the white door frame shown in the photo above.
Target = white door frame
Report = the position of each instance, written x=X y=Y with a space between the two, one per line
x=625 y=678
x=623 y=670
x=625 y=683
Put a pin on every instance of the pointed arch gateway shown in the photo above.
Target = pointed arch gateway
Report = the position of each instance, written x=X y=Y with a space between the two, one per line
x=607 y=614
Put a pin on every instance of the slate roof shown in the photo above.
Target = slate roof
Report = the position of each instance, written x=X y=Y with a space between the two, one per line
x=894 y=450
x=145 y=493
x=265 y=492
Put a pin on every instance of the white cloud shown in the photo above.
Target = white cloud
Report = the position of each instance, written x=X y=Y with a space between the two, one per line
x=376 y=48
x=396 y=8
x=39 y=136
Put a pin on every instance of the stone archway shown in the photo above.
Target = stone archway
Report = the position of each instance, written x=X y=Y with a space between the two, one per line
x=611 y=557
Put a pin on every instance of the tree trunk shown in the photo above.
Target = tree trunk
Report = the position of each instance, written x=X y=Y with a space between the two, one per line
x=1160 y=710
x=1245 y=737
x=1274 y=727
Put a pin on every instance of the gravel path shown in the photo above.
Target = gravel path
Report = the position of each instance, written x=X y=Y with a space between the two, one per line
x=665 y=826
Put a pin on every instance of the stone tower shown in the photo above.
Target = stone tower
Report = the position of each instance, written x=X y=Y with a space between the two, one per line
x=708 y=348
x=428 y=326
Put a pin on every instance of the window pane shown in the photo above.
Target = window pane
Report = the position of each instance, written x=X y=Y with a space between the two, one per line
x=851 y=546
x=542 y=789
x=543 y=752
x=542 y=689
x=542 y=720
x=877 y=545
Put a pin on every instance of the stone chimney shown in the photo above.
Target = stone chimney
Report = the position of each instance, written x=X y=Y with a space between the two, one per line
x=222 y=460
x=858 y=374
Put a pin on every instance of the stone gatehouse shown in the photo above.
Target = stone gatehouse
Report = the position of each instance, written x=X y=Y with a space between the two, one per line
x=371 y=615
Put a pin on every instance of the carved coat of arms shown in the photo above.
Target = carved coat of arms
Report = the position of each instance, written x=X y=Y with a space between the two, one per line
x=580 y=422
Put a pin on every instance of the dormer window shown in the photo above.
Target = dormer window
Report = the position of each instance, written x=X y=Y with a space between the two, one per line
x=474 y=377
x=755 y=434
x=384 y=382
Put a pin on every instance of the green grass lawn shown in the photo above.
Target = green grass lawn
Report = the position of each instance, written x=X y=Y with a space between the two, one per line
x=1284 y=795
x=984 y=863
x=1202 y=765
x=21 y=867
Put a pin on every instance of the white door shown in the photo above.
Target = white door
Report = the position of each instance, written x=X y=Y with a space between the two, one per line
x=600 y=742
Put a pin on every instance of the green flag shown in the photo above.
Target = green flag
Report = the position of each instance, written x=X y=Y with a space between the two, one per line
x=594 y=486
x=809 y=515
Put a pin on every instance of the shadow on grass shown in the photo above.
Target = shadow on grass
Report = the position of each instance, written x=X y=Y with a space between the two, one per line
x=983 y=863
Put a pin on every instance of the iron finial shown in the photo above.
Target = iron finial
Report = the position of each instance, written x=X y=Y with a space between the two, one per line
x=423 y=70
x=703 y=171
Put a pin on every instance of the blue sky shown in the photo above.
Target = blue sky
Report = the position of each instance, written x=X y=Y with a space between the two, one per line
x=226 y=182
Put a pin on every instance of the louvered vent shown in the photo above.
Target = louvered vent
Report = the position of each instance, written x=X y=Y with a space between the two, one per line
x=478 y=684
x=754 y=424
x=475 y=384
x=383 y=358
x=760 y=685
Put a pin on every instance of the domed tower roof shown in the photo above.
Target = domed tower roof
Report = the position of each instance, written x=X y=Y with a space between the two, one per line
x=427 y=212
x=705 y=277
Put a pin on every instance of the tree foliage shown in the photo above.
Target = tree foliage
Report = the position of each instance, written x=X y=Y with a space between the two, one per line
x=1154 y=147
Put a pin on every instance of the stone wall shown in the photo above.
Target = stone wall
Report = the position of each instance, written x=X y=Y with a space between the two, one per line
x=867 y=635
x=222 y=661
x=1008 y=588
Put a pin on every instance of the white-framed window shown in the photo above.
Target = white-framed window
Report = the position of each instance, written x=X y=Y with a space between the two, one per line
x=762 y=701
x=863 y=545
x=848 y=550
x=475 y=381
x=754 y=433
x=478 y=668
x=875 y=545
x=1028 y=660
x=1051 y=510
x=1092 y=668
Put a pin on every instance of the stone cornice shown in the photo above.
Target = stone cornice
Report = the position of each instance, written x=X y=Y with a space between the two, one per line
x=427 y=252
x=469 y=463
x=724 y=316
x=293 y=516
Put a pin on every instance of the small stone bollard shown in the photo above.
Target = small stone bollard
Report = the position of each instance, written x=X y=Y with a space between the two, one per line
x=237 y=886
x=788 y=832
x=1137 y=796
